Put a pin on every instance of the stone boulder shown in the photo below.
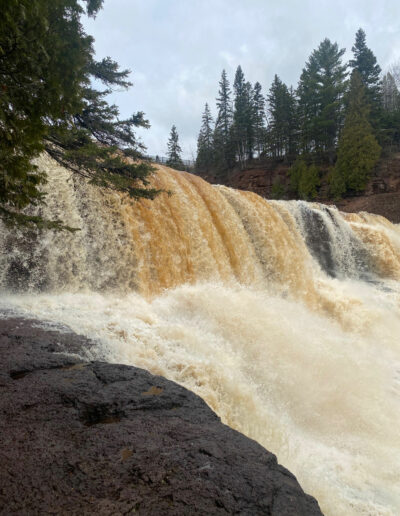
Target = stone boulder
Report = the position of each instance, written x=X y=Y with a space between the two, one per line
x=86 y=437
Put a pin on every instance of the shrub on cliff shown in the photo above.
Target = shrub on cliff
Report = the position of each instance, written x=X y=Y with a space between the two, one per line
x=358 y=150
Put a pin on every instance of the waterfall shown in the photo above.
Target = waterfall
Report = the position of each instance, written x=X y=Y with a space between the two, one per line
x=283 y=316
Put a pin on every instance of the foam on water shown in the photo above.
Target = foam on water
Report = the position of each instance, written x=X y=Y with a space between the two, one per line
x=284 y=317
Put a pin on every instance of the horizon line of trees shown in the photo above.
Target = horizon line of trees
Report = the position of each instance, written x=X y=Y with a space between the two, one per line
x=340 y=113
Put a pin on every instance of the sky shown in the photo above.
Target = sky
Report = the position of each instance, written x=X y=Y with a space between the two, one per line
x=177 y=49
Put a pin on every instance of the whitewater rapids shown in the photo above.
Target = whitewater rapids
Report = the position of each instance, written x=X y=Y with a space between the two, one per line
x=283 y=316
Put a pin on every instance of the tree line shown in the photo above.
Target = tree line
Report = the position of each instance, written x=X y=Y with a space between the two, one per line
x=340 y=114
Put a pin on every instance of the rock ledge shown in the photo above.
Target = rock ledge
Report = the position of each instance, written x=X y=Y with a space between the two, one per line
x=82 y=437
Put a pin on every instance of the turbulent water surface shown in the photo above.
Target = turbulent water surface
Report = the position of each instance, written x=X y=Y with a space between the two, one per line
x=283 y=316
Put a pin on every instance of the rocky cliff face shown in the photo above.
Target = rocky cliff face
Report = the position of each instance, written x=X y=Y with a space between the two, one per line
x=382 y=195
x=85 y=437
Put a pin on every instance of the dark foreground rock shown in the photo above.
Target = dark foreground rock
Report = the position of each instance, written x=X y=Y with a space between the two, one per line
x=80 y=437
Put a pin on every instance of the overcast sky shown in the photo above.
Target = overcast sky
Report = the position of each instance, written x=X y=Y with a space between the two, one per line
x=177 y=49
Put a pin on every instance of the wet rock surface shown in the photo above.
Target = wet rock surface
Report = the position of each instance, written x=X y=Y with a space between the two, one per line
x=87 y=437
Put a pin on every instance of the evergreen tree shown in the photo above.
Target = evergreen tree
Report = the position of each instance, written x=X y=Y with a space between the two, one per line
x=240 y=116
x=95 y=143
x=278 y=190
x=292 y=140
x=174 y=151
x=308 y=105
x=308 y=183
x=243 y=131
x=283 y=120
x=321 y=89
x=296 y=172
x=250 y=121
x=259 y=119
x=205 y=149
x=39 y=41
x=223 y=155
x=358 y=149
x=46 y=64
x=365 y=63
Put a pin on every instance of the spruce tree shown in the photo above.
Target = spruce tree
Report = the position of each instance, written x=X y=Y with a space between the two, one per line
x=292 y=140
x=282 y=120
x=174 y=151
x=240 y=116
x=250 y=121
x=366 y=64
x=223 y=155
x=259 y=119
x=96 y=143
x=308 y=104
x=321 y=89
x=46 y=67
x=39 y=41
x=358 y=149
x=205 y=148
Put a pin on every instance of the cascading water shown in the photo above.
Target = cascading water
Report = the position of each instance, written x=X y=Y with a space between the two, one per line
x=283 y=316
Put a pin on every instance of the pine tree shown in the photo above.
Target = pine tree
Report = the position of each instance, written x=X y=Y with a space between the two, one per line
x=358 y=149
x=366 y=64
x=259 y=119
x=240 y=116
x=223 y=155
x=292 y=141
x=250 y=121
x=308 y=102
x=174 y=151
x=205 y=147
x=283 y=123
x=96 y=143
x=320 y=92
x=39 y=41
x=46 y=65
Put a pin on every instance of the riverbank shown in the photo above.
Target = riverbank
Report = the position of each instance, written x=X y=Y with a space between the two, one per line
x=79 y=436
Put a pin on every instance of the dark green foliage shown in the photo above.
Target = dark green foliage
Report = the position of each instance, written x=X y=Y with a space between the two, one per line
x=39 y=42
x=358 y=149
x=320 y=92
x=309 y=183
x=366 y=65
x=240 y=116
x=174 y=151
x=259 y=119
x=296 y=172
x=205 y=143
x=278 y=189
x=95 y=143
x=305 y=123
x=282 y=129
x=46 y=63
x=244 y=131
x=223 y=153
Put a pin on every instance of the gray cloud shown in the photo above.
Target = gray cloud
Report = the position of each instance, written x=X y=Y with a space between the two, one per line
x=177 y=49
